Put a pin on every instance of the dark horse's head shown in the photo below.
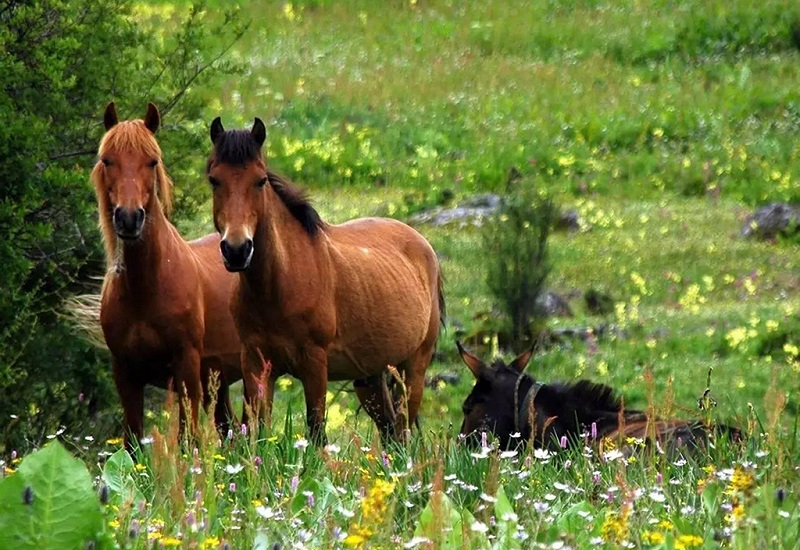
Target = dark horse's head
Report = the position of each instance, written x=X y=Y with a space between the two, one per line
x=516 y=409
x=245 y=191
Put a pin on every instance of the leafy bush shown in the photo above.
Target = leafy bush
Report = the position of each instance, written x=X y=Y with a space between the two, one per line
x=516 y=251
x=61 y=62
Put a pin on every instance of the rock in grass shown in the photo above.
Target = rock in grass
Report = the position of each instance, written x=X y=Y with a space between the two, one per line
x=772 y=220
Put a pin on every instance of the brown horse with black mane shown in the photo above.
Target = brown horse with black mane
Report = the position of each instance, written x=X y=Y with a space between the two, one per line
x=164 y=307
x=321 y=302
x=516 y=409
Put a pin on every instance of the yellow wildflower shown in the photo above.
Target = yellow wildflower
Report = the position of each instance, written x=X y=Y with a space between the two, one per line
x=354 y=540
x=688 y=541
x=615 y=526
x=170 y=541
x=114 y=524
x=740 y=481
x=652 y=537
x=140 y=467
x=211 y=542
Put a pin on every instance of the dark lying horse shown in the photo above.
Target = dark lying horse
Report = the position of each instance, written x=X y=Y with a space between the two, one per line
x=505 y=402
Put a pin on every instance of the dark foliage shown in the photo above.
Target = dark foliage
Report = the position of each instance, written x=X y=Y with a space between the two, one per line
x=60 y=63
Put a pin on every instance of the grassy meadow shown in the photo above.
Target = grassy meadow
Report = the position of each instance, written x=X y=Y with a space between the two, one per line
x=664 y=124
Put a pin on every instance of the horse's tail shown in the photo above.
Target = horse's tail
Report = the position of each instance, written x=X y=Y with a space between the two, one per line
x=83 y=312
x=440 y=290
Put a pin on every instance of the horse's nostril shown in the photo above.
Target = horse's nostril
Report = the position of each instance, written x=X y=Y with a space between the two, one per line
x=247 y=248
x=139 y=217
x=118 y=215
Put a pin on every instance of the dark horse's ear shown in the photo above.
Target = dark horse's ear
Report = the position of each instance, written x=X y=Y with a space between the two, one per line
x=216 y=129
x=110 y=118
x=475 y=365
x=152 y=119
x=259 y=132
x=521 y=361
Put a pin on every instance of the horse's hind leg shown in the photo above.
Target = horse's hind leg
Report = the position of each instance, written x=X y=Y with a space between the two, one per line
x=189 y=385
x=131 y=394
x=223 y=409
x=413 y=370
x=376 y=399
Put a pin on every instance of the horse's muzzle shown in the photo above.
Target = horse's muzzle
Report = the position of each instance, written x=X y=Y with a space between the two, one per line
x=128 y=222
x=236 y=257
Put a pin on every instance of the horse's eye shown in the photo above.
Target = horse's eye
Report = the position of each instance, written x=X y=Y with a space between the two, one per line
x=213 y=181
x=105 y=162
x=262 y=182
x=153 y=163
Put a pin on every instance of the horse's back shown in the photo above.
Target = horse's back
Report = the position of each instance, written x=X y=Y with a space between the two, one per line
x=360 y=237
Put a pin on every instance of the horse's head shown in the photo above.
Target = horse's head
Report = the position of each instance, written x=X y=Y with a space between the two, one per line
x=238 y=174
x=494 y=404
x=506 y=401
x=129 y=173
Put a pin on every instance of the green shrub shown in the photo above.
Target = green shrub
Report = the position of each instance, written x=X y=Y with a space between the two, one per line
x=517 y=259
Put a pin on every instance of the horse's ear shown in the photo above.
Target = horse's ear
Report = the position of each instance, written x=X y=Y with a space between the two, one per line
x=521 y=361
x=475 y=365
x=110 y=118
x=152 y=119
x=216 y=129
x=259 y=131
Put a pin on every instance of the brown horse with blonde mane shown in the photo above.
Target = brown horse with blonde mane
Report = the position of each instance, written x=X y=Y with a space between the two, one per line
x=321 y=302
x=164 y=307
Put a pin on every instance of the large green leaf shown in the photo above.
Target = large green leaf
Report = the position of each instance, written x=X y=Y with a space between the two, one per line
x=452 y=521
x=64 y=513
x=118 y=475
x=506 y=522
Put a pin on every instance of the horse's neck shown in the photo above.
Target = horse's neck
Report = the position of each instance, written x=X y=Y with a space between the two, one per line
x=142 y=261
x=283 y=254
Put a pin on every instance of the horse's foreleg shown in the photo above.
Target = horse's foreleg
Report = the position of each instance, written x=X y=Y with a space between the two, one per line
x=314 y=376
x=259 y=385
x=131 y=394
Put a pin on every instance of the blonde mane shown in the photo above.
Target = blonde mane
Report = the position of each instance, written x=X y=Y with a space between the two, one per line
x=125 y=136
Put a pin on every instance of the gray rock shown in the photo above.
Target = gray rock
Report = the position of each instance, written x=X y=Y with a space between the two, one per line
x=550 y=304
x=472 y=210
x=772 y=220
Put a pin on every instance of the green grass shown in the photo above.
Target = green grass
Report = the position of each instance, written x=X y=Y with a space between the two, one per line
x=663 y=124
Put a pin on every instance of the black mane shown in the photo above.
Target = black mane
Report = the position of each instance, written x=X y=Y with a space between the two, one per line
x=298 y=203
x=591 y=396
x=239 y=147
